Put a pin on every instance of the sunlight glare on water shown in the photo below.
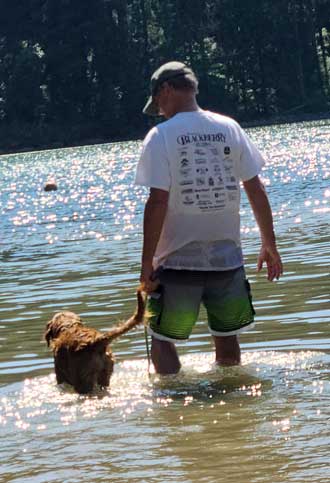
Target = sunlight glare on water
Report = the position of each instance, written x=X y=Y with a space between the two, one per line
x=280 y=395
x=78 y=248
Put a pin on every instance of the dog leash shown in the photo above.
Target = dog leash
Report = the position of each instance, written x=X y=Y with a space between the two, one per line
x=147 y=347
x=153 y=277
x=146 y=331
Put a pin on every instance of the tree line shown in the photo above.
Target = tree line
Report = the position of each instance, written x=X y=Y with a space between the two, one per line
x=77 y=71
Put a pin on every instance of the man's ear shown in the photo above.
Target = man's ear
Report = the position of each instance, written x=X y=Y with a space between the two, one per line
x=167 y=87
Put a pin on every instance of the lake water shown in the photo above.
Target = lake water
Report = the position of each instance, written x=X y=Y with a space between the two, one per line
x=79 y=249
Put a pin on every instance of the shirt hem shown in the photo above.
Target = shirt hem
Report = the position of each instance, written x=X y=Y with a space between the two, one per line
x=201 y=269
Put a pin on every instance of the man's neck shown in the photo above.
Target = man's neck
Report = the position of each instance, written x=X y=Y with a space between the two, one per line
x=189 y=105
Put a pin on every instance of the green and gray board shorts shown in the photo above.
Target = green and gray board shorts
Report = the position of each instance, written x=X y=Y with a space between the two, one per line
x=174 y=307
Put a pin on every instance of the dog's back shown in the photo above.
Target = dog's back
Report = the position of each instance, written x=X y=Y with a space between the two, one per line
x=82 y=354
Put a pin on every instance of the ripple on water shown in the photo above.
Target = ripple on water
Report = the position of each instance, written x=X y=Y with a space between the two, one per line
x=79 y=247
x=36 y=401
x=275 y=404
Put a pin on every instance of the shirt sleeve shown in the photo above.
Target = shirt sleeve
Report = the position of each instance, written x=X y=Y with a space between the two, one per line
x=153 y=167
x=251 y=160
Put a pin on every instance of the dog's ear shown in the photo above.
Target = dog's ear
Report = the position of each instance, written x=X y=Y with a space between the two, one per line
x=52 y=330
x=48 y=335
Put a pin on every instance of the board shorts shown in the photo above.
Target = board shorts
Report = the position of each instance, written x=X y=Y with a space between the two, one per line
x=174 y=307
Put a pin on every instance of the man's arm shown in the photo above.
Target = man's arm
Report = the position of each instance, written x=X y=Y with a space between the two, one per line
x=154 y=215
x=258 y=199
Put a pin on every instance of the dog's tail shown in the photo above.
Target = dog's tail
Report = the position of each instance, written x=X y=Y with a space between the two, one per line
x=136 y=319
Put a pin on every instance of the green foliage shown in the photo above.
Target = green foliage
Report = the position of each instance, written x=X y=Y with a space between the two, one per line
x=75 y=71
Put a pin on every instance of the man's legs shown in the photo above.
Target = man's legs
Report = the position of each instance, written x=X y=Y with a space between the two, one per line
x=173 y=312
x=166 y=361
x=164 y=357
x=227 y=350
x=227 y=299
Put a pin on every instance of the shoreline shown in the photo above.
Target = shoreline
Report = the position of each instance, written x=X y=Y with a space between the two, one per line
x=275 y=120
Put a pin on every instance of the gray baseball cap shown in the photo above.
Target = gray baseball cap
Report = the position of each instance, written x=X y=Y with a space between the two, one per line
x=165 y=72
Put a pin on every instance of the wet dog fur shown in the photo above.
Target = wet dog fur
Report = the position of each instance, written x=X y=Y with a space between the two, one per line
x=82 y=355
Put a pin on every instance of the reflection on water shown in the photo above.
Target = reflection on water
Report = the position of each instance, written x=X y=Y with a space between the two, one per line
x=274 y=403
x=79 y=248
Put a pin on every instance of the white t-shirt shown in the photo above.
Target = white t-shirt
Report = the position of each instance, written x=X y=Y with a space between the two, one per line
x=200 y=158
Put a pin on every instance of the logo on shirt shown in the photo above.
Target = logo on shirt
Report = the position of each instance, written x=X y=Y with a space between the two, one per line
x=226 y=150
x=200 y=152
x=186 y=182
x=183 y=152
x=217 y=169
x=199 y=137
x=202 y=170
x=200 y=181
x=188 y=198
x=185 y=172
x=203 y=198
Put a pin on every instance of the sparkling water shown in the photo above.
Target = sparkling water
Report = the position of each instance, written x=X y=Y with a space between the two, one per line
x=79 y=247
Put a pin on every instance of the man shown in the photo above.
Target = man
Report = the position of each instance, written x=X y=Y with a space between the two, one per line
x=193 y=164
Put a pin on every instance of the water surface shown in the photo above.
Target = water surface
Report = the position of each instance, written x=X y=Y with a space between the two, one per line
x=79 y=248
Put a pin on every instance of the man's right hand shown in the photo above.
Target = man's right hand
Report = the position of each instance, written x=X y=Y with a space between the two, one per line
x=148 y=285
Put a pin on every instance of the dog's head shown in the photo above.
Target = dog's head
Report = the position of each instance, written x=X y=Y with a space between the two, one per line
x=60 y=322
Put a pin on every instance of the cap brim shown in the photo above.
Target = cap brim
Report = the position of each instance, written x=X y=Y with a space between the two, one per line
x=151 y=108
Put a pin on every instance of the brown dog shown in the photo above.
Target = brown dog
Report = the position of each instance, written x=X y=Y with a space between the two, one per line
x=82 y=354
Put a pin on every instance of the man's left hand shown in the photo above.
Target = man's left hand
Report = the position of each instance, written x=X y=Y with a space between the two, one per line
x=271 y=257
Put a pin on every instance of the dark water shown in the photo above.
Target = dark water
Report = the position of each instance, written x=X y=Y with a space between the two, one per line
x=79 y=249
